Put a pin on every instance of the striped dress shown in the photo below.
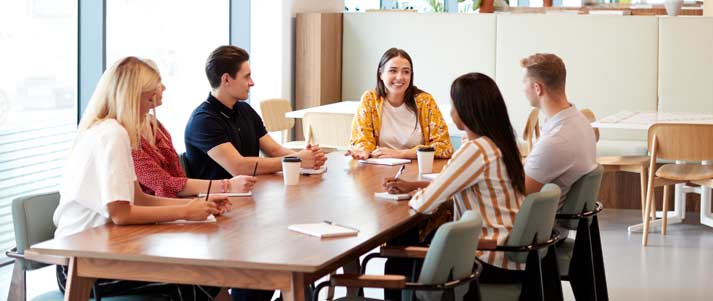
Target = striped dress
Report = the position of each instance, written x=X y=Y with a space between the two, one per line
x=476 y=178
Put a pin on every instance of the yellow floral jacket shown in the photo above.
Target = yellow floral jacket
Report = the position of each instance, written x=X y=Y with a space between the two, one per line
x=367 y=124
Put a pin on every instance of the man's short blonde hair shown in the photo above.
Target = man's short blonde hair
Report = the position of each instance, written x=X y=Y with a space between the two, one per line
x=547 y=68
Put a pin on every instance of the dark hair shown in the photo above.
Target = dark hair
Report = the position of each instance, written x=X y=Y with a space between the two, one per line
x=411 y=90
x=482 y=109
x=224 y=59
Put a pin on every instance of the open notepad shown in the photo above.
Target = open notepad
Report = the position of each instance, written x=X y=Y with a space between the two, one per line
x=323 y=230
x=386 y=161
x=311 y=171
x=389 y=196
x=227 y=194
x=209 y=219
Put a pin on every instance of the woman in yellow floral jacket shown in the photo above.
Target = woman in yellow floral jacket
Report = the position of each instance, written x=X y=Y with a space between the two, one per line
x=397 y=118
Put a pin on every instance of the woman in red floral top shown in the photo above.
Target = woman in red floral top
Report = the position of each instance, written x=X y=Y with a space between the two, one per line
x=159 y=171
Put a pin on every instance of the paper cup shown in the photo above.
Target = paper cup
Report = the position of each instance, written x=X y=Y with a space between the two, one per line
x=425 y=159
x=291 y=170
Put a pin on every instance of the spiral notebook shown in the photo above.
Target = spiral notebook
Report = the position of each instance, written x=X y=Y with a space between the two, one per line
x=323 y=230
x=386 y=161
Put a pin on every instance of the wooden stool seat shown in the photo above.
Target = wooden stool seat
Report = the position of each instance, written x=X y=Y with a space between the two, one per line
x=685 y=172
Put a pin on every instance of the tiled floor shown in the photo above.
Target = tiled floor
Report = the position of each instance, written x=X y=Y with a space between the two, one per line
x=677 y=267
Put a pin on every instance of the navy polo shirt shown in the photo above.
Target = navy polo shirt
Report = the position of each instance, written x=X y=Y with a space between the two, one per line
x=212 y=124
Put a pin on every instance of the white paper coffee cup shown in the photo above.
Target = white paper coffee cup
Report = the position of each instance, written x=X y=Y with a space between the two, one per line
x=425 y=159
x=291 y=170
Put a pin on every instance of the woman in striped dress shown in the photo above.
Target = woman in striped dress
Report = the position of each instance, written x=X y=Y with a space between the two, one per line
x=485 y=174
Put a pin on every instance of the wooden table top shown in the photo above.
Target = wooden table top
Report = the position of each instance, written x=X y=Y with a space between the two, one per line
x=634 y=120
x=254 y=234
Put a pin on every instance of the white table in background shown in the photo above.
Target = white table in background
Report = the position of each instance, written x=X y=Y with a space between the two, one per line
x=350 y=107
x=642 y=121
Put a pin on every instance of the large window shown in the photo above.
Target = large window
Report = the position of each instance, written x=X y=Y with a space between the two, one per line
x=38 y=55
x=178 y=36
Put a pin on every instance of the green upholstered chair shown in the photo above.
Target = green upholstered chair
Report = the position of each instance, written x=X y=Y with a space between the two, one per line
x=580 y=260
x=32 y=219
x=447 y=270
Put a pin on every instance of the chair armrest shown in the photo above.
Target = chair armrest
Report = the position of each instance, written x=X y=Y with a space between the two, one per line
x=48 y=259
x=378 y=281
x=403 y=252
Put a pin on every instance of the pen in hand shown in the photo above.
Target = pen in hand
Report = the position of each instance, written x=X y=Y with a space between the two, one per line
x=210 y=182
x=255 y=170
x=398 y=173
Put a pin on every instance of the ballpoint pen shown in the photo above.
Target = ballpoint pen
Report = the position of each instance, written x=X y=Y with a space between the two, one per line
x=255 y=170
x=210 y=182
x=398 y=173
x=338 y=225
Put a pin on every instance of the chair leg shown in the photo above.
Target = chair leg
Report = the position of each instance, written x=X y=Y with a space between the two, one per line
x=581 y=272
x=598 y=259
x=18 y=284
x=664 y=210
x=642 y=173
x=647 y=212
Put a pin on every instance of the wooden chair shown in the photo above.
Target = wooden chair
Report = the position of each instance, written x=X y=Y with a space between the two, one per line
x=676 y=142
x=329 y=130
x=580 y=260
x=631 y=164
x=531 y=132
x=273 y=116
x=32 y=219
x=448 y=265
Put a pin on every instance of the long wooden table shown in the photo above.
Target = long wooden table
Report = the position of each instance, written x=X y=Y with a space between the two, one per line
x=249 y=247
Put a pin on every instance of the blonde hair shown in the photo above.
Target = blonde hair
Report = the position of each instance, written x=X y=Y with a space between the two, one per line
x=118 y=96
x=546 y=67
x=149 y=128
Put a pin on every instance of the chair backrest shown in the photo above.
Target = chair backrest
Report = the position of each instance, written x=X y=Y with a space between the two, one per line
x=532 y=129
x=328 y=129
x=688 y=142
x=273 y=114
x=582 y=196
x=536 y=217
x=32 y=218
x=592 y=118
x=451 y=253
x=184 y=164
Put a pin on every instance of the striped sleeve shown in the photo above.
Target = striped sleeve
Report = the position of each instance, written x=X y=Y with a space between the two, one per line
x=467 y=161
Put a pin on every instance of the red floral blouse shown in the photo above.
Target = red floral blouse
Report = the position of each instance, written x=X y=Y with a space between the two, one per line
x=157 y=168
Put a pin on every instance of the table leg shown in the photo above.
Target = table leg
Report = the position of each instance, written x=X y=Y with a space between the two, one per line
x=352 y=268
x=706 y=215
x=78 y=288
x=297 y=288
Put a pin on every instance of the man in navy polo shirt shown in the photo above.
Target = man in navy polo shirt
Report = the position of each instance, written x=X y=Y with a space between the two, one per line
x=224 y=135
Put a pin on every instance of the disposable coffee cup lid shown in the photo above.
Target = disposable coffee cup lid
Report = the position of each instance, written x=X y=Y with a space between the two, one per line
x=426 y=149
x=291 y=159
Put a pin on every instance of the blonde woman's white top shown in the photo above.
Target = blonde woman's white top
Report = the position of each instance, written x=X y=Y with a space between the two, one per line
x=98 y=171
x=476 y=179
x=400 y=128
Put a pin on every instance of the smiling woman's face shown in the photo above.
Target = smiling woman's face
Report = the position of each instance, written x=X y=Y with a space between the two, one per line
x=396 y=75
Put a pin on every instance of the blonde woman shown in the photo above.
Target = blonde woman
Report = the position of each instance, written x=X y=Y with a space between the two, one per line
x=158 y=168
x=99 y=184
x=396 y=118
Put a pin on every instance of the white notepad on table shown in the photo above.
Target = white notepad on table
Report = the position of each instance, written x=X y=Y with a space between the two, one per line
x=386 y=161
x=323 y=230
x=209 y=219
x=311 y=171
x=228 y=194
x=430 y=176
x=389 y=196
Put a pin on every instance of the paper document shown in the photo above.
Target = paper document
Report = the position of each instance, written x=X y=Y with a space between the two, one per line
x=430 y=176
x=388 y=196
x=386 y=161
x=209 y=219
x=310 y=171
x=228 y=194
x=323 y=230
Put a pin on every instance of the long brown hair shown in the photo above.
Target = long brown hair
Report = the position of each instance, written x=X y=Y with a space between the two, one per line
x=411 y=90
x=481 y=107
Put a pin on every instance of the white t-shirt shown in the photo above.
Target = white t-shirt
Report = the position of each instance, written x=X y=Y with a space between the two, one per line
x=99 y=171
x=400 y=128
x=565 y=152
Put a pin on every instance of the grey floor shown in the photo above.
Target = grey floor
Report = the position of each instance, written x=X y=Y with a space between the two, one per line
x=677 y=267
